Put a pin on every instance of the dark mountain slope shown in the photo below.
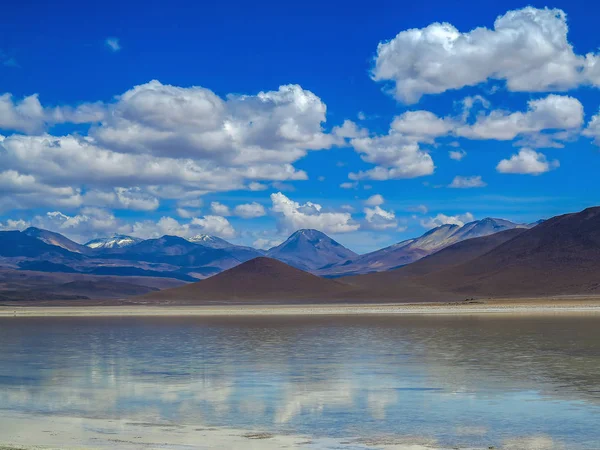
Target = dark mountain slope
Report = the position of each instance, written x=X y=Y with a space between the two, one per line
x=17 y=244
x=560 y=256
x=456 y=254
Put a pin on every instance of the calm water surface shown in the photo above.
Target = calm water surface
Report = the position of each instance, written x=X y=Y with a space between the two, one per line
x=463 y=381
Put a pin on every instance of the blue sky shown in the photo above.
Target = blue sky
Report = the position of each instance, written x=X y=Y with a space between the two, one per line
x=270 y=117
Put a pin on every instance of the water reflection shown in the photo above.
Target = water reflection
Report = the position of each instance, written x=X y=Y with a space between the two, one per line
x=460 y=381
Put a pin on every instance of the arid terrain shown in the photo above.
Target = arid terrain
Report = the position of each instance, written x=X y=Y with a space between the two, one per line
x=557 y=258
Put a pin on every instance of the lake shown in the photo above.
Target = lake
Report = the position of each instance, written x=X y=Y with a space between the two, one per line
x=468 y=382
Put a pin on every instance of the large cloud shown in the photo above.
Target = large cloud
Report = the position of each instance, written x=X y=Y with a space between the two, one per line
x=157 y=138
x=527 y=48
x=75 y=161
x=270 y=127
x=294 y=216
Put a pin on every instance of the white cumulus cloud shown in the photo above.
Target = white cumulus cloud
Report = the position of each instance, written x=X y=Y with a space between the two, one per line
x=527 y=161
x=158 y=139
x=527 y=48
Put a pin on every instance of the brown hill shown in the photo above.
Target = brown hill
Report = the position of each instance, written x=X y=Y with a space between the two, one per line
x=561 y=256
x=405 y=283
x=259 y=280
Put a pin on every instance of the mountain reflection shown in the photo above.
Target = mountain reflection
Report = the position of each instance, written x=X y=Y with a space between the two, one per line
x=436 y=377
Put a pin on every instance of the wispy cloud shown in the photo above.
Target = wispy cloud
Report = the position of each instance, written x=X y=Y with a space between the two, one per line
x=113 y=43
x=8 y=61
x=460 y=182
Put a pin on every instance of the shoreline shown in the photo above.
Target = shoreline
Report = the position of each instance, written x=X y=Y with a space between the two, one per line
x=20 y=431
x=577 y=305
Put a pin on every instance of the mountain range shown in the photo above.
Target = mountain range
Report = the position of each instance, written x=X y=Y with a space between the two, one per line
x=188 y=260
x=202 y=256
x=558 y=257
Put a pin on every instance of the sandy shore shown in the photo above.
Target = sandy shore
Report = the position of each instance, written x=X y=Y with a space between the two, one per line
x=573 y=305
x=48 y=432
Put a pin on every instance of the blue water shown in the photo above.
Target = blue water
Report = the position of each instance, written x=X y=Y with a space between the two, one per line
x=477 y=381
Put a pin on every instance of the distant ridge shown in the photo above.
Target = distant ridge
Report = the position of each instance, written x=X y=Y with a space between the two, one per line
x=259 y=280
x=411 y=250
x=18 y=244
x=51 y=238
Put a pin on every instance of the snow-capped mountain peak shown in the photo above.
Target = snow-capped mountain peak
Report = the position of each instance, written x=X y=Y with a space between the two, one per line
x=209 y=241
x=117 y=241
